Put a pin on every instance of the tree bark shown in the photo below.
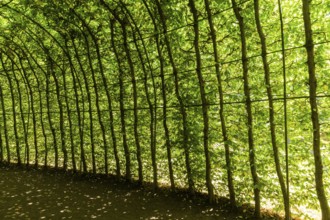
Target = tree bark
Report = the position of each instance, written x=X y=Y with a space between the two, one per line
x=248 y=105
x=183 y=112
x=4 y=119
x=76 y=98
x=50 y=68
x=13 y=105
x=135 y=112
x=151 y=112
x=121 y=104
x=286 y=141
x=208 y=168
x=25 y=135
x=164 y=99
x=230 y=180
x=81 y=124
x=314 y=112
x=271 y=109
x=34 y=120
x=90 y=111
x=40 y=109
x=60 y=105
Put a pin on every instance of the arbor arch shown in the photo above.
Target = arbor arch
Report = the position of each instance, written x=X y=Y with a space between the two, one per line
x=195 y=94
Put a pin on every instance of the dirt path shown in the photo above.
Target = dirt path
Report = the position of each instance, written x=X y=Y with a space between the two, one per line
x=46 y=195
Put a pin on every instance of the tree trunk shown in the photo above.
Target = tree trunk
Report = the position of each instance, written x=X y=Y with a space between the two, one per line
x=68 y=112
x=27 y=147
x=81 y=120
x=40 y=103
x=183 y=112
x=13 y=105
x=4 y=119
x=135 y=112
x=40 y=111
x=1 y=142
x=164 y=99
x=76 y=98
x=286 y=141
x=121 y=105
x=60 y=105
x=50 y=68
x=230 y=180
x=314 y=112
x=256 y=185
x=208 y=168
x=151 y=110
x=271 y=109
x=34 y=120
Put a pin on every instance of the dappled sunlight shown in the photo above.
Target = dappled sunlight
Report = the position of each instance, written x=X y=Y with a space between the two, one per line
x=221 y=101
x=43 y=195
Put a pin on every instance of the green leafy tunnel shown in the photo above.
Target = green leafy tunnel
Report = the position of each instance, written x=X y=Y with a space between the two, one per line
x=230 y=98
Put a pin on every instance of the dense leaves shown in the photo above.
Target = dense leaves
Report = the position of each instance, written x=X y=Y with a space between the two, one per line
x=195 y=94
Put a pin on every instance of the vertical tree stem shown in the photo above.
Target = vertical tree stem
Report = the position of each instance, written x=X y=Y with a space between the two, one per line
x=221 y=105
x=208 y=169
x=248 y=105
x=183 y=111
x=271 y=109
x=121 y=104
x=314 y=112
x=4 y=119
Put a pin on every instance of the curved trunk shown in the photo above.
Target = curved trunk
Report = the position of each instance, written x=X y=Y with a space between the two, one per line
x=152 y=125
x=121 y=105
x=89 y=100
x=97 y=94
x=135 y=111
x=60 y=105
x=74 y=84
x=164 y=97
x=271 y=109
x=25 y=135
x=221 y=105
x=50 y=68
x=314 y=112
x=183 y=112
x=4 y=119
x=111 y=117
x=248 y=105
x=13 y=105
x=34 y=120
x=68 y=112
x=151 y=112
x=1 y=141
x=208 y=169
x=109 y=101
x=81 y=122
x=90 y=63
x=40 y=110
x=286 y=141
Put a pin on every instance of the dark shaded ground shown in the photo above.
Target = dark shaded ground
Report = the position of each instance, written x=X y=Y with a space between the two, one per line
x=35 y=194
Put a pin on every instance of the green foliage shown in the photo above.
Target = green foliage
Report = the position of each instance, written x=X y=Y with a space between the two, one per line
x=33 y=30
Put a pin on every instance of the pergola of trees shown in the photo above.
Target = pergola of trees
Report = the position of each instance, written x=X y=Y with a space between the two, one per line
x=230 y=97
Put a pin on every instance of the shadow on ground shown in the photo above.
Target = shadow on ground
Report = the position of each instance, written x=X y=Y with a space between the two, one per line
x=32 y=194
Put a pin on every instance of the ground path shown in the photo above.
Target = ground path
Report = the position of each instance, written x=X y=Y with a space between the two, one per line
x=31 y=194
